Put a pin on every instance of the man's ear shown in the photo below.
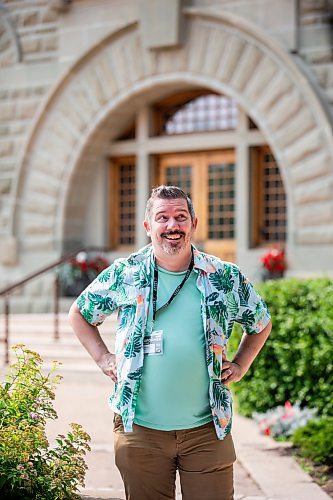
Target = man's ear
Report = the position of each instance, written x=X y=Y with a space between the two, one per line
x=147 y=227
x=195 y=223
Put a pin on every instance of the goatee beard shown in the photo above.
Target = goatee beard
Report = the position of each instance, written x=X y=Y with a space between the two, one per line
x=172 y=250
x=177 y=248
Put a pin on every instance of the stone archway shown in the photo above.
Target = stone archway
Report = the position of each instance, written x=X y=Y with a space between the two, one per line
x=221 y=52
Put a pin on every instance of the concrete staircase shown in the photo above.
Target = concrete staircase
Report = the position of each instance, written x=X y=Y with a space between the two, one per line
x=36 y=331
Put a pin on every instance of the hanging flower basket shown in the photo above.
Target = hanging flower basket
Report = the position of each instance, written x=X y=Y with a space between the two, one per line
x=76 y=274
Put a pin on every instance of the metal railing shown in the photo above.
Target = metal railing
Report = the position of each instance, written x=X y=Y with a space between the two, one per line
x=6 y=292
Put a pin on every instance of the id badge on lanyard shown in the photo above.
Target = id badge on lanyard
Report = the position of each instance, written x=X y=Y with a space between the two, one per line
x=153 y=343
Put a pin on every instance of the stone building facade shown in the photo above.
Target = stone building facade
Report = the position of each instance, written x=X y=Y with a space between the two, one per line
x=100 y=100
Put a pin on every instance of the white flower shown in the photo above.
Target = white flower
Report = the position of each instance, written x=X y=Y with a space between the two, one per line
x=81 y=257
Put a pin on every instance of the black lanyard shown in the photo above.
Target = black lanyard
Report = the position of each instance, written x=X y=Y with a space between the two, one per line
x=175 y=293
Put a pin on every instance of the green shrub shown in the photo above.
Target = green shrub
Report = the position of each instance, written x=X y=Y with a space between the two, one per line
x=315 y=440
x=296 y=362
x=29 y=468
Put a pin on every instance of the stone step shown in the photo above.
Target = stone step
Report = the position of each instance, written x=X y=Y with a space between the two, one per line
x=36 y=331
x=25 y=304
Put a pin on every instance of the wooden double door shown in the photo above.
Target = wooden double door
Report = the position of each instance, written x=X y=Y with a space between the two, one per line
x=209 y=179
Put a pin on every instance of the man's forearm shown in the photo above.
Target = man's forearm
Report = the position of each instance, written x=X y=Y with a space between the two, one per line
x=250 y=347
x=87 y=334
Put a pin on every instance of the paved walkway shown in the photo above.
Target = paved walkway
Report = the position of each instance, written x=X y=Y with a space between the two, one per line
x=260 y=473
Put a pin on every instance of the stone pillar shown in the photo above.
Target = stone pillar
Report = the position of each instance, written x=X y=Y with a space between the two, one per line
x=242 y=179
x=142 y=175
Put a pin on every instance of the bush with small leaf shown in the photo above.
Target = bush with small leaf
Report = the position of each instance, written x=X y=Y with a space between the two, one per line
x=296 y=363
x=29 y=467
x=315 y=440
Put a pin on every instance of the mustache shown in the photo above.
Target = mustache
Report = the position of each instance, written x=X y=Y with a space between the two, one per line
x=173 y=233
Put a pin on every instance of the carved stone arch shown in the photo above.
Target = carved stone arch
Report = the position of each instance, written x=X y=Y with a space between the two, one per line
x=221 y=52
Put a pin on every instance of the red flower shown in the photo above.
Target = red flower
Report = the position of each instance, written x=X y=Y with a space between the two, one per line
x=274 y=260
x=87 y=264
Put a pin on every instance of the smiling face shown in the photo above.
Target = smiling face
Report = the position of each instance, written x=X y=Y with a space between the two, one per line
x=170 y=227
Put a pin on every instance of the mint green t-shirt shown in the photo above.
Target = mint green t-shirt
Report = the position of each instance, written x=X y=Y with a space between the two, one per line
x=174 y=386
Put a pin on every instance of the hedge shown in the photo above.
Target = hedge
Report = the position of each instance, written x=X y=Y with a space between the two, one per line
x=296 y=362
x=315 y=440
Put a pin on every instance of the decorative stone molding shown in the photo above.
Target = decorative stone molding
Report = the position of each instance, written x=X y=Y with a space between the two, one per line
x=10 y=49
x=222 y=52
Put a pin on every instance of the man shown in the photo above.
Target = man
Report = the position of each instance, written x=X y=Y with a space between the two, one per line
x=176 y=309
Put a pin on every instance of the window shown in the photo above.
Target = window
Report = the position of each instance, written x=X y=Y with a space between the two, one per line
x=180 y=176
x=195 y=113
x=269 y=221
x=221 y=208
x=122 y=202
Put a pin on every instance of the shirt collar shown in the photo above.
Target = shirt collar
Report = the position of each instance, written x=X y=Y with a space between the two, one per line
x=200 y=259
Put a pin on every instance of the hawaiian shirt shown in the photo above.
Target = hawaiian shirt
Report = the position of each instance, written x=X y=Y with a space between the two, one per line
x=226 y=296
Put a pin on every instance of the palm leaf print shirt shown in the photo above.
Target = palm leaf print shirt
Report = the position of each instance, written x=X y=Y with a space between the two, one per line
x=226 y=296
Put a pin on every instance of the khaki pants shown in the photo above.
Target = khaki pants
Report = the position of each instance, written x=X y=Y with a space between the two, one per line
x=148 y=459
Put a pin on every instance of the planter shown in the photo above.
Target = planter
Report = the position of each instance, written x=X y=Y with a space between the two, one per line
x=74 y=289
x=272 y=275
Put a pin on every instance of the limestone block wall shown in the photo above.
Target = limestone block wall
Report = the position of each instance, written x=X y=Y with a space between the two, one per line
x=316 y=41
x=315 y=31
x=36 y=23
x=28 y=36
x=276 y=18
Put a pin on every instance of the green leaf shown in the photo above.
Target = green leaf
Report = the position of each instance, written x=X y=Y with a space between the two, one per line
x=212 y=297
x=80 y=301
x=232 y=304
x=118 y=282
x=125 y=393
x=126 y=316
x=228 y=428
x=247 y=318
x=135 y=375
x=222 y=279
x=216 y=366
x=134 y=343
x=209 y=354
x=220 y=395
x=106 y=305
x=105 y=275
x=218 y=312
x=244 y=294
x=142 y=278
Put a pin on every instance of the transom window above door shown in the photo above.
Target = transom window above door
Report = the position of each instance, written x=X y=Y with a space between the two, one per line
x=195 y=112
